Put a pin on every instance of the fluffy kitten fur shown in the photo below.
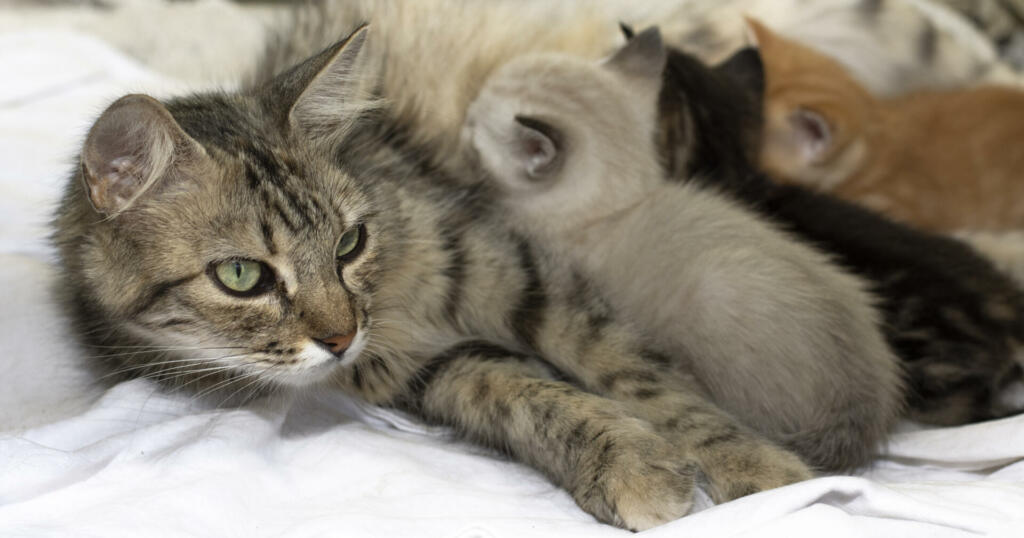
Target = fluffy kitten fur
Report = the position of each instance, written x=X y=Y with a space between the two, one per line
x=954 y=320
x=453 y=314
x=943 y=161
x=780 y=337
x=431 y=74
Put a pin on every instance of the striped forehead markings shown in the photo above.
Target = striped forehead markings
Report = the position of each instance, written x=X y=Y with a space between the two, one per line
x=274 y=181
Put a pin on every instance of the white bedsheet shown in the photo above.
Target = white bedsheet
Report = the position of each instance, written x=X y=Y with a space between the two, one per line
x=133 y=461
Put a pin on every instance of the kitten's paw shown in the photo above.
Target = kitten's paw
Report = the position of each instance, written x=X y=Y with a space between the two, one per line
x=634 y=482
x=751 y=465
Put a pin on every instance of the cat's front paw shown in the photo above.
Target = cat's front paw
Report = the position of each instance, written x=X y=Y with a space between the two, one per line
x=751 y=465
x=634 y=481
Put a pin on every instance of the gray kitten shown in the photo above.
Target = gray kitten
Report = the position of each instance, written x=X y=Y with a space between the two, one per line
x=777 y=334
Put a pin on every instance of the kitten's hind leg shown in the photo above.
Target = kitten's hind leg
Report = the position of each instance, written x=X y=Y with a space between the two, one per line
x=614 y=465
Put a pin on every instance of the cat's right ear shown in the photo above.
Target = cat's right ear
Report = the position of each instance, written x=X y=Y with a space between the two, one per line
x=322 y=93
x=133 y=148
x=537 y=148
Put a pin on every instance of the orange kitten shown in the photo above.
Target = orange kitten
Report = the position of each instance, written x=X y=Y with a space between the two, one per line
x=941 y=160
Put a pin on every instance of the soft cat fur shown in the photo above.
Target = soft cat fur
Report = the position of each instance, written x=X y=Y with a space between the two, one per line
x=780 y=337
x=954 y=320
x=430 y=56
x=943 y=161
x=370 y=277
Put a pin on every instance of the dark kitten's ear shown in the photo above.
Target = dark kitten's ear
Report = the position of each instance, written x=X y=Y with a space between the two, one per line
x=537 y=148
x=322 y=90
x=643 y=56
x=135 y=146
x=813 y=134
x=746 y=69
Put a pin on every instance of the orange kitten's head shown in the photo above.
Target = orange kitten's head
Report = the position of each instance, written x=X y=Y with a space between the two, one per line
x=814 y=113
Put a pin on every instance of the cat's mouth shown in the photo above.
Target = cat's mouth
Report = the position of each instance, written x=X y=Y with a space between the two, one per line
x=314 y=361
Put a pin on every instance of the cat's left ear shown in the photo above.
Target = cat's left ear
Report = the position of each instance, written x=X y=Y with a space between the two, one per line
x=324 y=90
x=746 y=69
x=136 y=148
x=643 y=56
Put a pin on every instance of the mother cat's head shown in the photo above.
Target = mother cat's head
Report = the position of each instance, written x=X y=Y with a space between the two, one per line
x=202 y=245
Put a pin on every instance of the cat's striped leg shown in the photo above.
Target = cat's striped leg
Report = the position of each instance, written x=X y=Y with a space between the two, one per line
x=736 y=460
x=614 y=465
x=580 y=337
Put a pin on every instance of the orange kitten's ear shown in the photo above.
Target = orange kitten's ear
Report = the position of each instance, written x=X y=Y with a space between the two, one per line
x=813 y=134
x=133 y=148
x=763 y=36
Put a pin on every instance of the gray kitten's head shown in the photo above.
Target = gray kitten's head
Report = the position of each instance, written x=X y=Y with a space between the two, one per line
x=557 y=132
x=204 y=241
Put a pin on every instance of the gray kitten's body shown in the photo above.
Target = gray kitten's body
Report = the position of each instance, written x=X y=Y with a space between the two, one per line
x=779 y=336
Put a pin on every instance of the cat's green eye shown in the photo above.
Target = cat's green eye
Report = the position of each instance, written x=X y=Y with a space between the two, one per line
x=351 y=244
x=243 y=277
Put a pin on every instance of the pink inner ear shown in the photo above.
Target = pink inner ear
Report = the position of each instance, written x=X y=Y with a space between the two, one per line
x=116 y=184
x=534 y=147
x=813 y=132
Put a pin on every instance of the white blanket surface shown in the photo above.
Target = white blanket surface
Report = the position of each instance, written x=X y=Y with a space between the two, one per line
x=133 y=461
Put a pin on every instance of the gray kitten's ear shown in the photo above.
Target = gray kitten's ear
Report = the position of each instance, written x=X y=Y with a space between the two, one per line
x=537 y=148
x=327 y=87
x=132 y=148
x=643 y=56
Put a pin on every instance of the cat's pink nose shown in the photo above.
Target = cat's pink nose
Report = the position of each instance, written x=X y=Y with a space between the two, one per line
x=338 y=343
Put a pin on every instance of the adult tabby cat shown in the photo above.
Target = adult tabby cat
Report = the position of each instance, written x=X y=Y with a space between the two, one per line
x=275 y=239
x=781 y=338
x=944 y=161
x=955 y=321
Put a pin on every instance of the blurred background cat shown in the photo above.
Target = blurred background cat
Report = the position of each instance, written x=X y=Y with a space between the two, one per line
x=941 y=160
